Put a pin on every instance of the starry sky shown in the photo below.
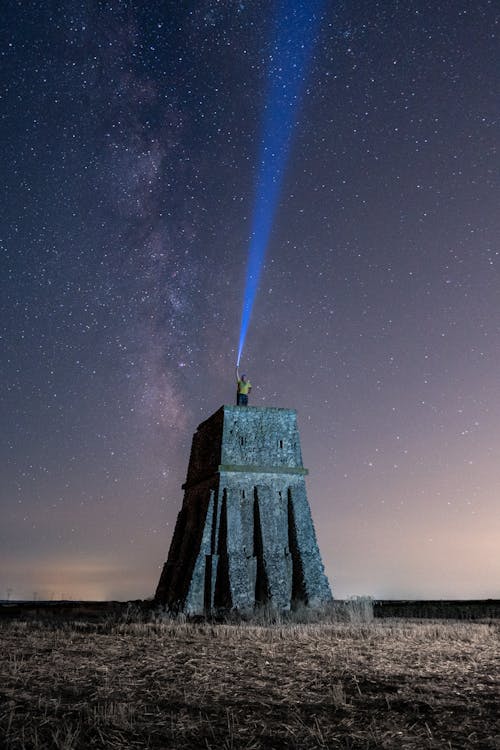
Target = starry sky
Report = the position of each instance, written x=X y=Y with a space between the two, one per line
x=129 y=139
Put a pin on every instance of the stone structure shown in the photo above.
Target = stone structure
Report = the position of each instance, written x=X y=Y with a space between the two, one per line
x=244 y=536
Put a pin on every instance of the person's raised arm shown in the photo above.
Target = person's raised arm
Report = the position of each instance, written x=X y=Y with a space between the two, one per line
x=237 y=374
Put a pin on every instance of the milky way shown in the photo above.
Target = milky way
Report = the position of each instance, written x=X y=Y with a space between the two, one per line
x=129 y=142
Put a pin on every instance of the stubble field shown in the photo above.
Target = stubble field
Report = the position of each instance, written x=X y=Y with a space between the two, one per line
x=386 y=684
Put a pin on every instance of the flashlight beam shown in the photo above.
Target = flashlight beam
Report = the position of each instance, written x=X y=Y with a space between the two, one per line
x=295 y=31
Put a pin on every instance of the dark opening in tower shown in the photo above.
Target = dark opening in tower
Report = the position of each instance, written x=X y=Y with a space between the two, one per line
x=298 y=583
x=261 y=580
x=222 y=593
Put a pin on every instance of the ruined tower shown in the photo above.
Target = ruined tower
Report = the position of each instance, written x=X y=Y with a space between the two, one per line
x=244 y=536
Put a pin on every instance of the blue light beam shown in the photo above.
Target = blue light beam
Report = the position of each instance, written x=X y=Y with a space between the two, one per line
x=295 y=31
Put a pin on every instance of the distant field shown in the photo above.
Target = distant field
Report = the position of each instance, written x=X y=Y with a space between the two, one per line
x=386 y=684
x=485 y=609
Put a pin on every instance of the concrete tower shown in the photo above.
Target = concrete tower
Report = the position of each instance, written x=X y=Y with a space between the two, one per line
x=244 y=536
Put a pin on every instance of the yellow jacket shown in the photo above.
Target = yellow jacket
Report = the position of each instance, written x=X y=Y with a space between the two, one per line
x=244 y=386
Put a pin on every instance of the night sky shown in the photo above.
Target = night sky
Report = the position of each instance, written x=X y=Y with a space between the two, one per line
x=130 y=137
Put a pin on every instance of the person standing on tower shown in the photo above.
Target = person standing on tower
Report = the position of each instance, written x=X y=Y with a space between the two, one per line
x=244 y=388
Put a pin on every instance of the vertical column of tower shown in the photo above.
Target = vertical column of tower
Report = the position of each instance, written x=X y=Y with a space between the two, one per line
x=199 y=594
x=236 y=549
x=182 y=582
x=273 y=556
x=310 y=583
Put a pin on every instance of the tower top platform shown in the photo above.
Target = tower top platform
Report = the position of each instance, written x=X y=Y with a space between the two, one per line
x=246 y=439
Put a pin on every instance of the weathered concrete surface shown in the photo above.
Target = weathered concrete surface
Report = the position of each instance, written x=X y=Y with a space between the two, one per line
x=244 y=536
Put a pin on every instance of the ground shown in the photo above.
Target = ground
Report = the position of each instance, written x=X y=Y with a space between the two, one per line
x=385 y=684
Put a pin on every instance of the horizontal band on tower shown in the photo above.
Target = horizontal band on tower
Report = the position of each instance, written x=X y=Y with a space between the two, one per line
x=249 y=469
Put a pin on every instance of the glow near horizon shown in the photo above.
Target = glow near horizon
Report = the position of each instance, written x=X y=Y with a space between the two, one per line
x=296 y=24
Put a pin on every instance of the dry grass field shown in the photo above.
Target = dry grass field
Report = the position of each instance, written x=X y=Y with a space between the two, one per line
x=382 y=684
